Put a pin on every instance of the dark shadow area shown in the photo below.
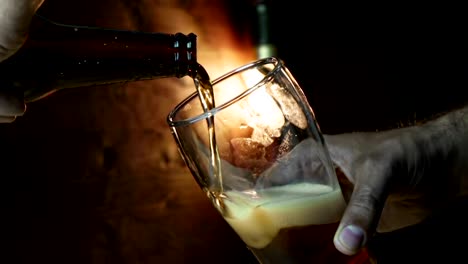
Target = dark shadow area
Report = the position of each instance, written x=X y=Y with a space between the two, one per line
x=378 y=66
x=439 y=239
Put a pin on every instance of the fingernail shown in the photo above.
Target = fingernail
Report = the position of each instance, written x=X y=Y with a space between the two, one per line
x=351 y=238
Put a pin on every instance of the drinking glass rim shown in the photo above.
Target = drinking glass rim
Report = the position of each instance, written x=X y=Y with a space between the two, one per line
x=188 y=121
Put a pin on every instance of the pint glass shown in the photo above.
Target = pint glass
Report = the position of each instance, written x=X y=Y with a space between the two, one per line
x=266 y=167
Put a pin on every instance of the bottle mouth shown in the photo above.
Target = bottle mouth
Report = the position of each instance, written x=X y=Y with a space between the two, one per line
x=186 y=53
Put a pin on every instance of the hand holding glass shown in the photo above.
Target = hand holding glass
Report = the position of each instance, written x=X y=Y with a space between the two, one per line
x=267 y=169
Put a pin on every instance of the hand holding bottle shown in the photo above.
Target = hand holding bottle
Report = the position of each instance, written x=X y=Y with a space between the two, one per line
x=15 y=17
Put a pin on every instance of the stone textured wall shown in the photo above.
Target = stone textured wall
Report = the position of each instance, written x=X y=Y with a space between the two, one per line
x=92 y=175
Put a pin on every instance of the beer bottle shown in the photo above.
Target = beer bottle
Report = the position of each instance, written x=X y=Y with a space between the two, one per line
x=57 y=56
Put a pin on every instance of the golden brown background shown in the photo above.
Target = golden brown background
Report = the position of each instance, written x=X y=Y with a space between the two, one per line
x=92 y=175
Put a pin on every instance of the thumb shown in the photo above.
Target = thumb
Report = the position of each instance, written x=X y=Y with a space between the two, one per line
x=360 y=219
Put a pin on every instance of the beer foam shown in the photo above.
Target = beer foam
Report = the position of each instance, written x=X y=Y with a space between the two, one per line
x=257 y=219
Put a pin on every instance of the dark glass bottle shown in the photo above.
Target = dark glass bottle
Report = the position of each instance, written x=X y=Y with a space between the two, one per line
x=57 y=56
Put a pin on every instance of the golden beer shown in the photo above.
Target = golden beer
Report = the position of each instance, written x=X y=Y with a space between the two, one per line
x=294 y=223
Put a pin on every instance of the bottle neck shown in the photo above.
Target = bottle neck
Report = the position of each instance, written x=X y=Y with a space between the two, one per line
x=58 y=56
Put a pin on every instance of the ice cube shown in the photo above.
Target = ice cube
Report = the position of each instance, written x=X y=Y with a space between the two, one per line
x=291 y=109
x=264 y=116
x=249 y=154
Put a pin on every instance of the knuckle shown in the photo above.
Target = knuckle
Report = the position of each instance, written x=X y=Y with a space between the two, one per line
x=366 y=201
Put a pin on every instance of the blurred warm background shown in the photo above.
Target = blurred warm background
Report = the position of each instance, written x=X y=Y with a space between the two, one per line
x=92 y=175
